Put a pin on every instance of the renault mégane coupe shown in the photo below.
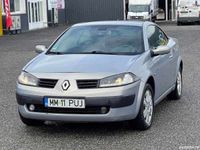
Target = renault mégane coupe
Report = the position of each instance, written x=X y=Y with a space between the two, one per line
x=101 y=72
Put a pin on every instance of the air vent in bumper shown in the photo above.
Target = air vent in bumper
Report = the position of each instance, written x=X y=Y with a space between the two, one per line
x=88 y=110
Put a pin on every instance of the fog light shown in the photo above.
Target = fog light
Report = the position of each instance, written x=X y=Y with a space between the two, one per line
x=104 y=110
x=32 y=107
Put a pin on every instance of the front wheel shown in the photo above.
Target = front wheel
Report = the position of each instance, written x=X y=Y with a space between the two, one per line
x=145 y=116
x=177 y=92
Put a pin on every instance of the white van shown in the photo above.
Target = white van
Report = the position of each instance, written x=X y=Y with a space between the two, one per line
x=143 y=10
x=188 y=11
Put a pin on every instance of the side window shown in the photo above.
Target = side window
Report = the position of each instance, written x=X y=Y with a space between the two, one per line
x=156 y=37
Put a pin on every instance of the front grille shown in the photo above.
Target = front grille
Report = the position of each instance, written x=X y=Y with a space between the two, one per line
x=88 y=110
x=47 y=83
x=137 y=17
x=87 y=84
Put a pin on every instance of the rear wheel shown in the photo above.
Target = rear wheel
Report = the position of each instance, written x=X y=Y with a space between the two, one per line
x=31 y=122
x=145 y=116
x=177 y=92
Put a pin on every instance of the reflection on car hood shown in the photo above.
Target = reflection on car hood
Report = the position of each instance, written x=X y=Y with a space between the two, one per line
x=81 y=63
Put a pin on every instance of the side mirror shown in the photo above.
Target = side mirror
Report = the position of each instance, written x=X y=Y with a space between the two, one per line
x=161 y=50
x=40 y=48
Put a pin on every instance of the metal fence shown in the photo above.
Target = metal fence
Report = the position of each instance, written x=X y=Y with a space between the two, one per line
x=94 y=10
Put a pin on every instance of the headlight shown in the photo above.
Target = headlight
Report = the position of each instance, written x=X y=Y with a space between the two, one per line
x=118 y=80
x=27 y=79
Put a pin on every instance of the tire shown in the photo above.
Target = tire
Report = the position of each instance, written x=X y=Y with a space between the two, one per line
x=141 y=122
x=178 y=23
x=31 y=122
x=177 y=92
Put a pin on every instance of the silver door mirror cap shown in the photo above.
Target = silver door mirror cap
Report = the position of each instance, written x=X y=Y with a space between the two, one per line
x=161 y=50
x=40 y=49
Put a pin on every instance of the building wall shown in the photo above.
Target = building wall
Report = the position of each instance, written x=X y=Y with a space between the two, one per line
x=24 y=22
x=94 y=10
x=22 y=13
x=62 y=16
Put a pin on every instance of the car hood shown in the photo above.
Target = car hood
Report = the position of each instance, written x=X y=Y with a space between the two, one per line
x=80 y=63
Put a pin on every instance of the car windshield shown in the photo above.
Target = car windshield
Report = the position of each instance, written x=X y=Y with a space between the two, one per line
x=139 y=8
x=102 y=39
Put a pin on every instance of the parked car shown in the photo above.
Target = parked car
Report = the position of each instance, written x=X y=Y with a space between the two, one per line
x=188 y=11
x=101 y=72
x=143 y=10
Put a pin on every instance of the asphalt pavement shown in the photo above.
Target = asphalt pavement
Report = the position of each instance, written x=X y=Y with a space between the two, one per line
x=176 y=123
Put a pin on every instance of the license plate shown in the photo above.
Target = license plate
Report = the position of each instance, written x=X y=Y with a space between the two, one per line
x=64 y=103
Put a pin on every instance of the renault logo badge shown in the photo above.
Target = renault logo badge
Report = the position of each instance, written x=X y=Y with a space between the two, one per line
x=65 y=85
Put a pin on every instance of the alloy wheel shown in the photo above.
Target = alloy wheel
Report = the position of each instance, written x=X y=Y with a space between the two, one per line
x=148 y=107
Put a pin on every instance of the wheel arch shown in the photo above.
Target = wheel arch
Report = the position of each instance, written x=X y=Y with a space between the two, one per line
x=151 y=81
x=181 y=66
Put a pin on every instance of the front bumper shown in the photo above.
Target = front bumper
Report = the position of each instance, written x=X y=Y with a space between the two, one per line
x=121 y=101
x=115 y=114
x=113 y=102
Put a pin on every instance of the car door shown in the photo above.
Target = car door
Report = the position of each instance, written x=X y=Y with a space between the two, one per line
x=161 y=64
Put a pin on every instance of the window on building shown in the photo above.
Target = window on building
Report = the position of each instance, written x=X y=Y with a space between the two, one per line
x=2 y=2
x=15 y=6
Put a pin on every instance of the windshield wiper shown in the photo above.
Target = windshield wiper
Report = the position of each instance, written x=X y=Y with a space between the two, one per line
x=90 y=52
x=55 y=53
x=99 y=52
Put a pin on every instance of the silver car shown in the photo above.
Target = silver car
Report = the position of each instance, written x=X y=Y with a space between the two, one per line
x=101 y=72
